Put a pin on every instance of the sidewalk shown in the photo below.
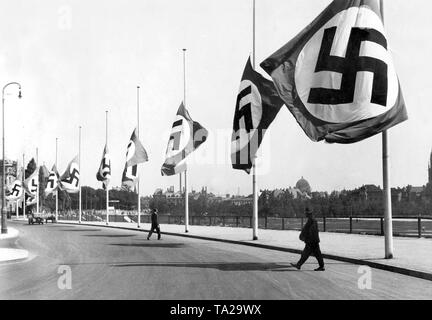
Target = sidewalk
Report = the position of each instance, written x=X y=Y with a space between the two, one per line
x=413 y=256
x=9 y=254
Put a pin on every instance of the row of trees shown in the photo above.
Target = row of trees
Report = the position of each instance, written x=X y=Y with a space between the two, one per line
x=280 y=204
x=336 y=204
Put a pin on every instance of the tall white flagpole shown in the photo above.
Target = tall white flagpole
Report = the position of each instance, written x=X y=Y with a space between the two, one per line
x=79 y=182
x=56 y=196
x=23 y=179
x=388 y=223
x=254 y=179
x=138 y=175
x=37 y=191
x=185 y=173
x=107 y=183
x=17 y=202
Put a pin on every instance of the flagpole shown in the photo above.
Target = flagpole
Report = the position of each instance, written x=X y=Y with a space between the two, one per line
x=56 y=203
x=138 y=176
x=388 y=223
x=254 y=179
x=37 y=188
x=107 y=183
x=17 y=202
x=79 y=182
x=185 y=173
x=23 y=179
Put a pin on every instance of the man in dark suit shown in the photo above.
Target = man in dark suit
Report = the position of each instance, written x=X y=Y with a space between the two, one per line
x=154 y=225
x=309 y=235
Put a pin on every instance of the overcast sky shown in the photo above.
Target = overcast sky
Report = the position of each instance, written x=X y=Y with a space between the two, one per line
x=76 y=59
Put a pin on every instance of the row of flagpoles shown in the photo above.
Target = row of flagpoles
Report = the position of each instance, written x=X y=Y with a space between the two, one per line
x=329 y=95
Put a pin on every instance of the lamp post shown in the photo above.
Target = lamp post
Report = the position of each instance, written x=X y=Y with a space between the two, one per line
x=3 y=213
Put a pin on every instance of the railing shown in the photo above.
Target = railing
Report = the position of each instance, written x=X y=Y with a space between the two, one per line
x=420 y=226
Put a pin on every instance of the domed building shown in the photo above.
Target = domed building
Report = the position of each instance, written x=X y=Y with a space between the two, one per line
x=303 y=186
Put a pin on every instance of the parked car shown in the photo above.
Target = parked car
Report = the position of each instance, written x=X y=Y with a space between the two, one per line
x=35 y=218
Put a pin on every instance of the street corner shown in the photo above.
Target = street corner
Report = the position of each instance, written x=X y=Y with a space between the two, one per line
x=11 y=234
x=12 y=255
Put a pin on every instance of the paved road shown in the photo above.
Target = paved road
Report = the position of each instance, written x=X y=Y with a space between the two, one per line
x=122 y=264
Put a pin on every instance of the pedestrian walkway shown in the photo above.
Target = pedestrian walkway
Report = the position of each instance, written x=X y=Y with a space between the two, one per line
x=412 y=256
x=10 y=254
x=12 y=233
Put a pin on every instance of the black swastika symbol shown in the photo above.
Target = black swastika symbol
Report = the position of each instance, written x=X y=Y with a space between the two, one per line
x=176 y=135
x=245 y=111
x=16 y=190
x=51 y=180
x=349 y=66
x=74 y=176
x=33 y=185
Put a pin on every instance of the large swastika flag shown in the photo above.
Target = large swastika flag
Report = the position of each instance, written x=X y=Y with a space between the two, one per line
x=104 y=172
x=15 y=190
x=69 y=181
x=337 y=76
x=186 y=136
x=257 y=105
x=53 y=181
x=135 y=155
x=31 y=184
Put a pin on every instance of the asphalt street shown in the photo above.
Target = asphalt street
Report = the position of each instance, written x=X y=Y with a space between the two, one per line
x=121 y=264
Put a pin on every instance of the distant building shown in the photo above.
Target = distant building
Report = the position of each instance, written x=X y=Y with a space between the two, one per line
x=11 y=169
x=172 y=197
x=239 y=200
x=303 y=186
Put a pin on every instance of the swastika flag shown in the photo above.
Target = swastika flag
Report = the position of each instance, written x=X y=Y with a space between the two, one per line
x=337 y=75
x=31 y=184
x=15 y=190
x=135 y=155
x=257 y=106
x=70 y=179
x=104 y=172
x=186 y=136
x=53 y=181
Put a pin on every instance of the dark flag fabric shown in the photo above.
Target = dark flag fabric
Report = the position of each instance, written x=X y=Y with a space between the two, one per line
x=186 y=136
x=44 y=172
x=337 y=76
x=53 y=181
x=258 y=104
x=70 y=179
x=135 y=155
x=104 y=172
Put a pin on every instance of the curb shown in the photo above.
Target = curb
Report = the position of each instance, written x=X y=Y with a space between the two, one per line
x=22 y=255
x=376 y=265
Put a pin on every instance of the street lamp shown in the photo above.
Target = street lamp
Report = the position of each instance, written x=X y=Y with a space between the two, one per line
x=3 y=179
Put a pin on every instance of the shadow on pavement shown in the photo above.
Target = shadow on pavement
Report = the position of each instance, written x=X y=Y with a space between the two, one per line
x=223 y=266
x=80 y=230
x=110 y=235
x=150 y=245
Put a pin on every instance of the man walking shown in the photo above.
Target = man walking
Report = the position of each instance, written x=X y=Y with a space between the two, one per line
x=154 y=225
x=309 y=235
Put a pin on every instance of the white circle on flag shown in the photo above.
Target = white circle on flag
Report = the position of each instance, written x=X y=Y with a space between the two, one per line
x=181 y=132
x=306 y=78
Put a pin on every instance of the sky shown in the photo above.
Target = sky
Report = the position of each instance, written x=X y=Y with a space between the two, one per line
x=77 y=59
